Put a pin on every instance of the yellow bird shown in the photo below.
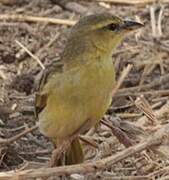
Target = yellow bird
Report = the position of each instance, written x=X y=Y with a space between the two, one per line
x=75 y=94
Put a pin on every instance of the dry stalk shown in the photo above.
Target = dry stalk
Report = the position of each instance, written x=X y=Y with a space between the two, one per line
x=5 y=142
x=130 y=177
x=32 y=55
x=21 y=54
x=8 y=2
x=152 y=92
x=156 y=82
x=160 y=21
x=145 y=107
x=128 y=115
x=159 y=114
x=121 y=136
x=88 y=141
x=153 y=21
x=159 y=172
x=121 y=79
x=156 y=24
x=131 y=2
x=89 y=167
x=25 y=18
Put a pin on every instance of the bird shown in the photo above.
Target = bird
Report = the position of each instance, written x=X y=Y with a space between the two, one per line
x=74 y=94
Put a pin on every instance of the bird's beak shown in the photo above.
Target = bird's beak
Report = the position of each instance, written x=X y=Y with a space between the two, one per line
x=130 y=25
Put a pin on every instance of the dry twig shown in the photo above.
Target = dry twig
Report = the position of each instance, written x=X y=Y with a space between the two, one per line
x=131 y=2
x=5 y=142
x=145 y=107
x=162 y=112
x=159 y=22
x=156 y=24
x=155 y=93
x=156 y=82
x=32 y=55
x=25 y=18
x=121 y=136
x=121 y=79
x=8 y=2
x=153 y=21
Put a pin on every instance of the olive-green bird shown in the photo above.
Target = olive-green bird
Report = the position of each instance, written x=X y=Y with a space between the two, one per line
x=74 y=95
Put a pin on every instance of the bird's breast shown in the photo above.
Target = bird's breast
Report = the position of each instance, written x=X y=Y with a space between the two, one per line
x=99 y=80
x=76 y=96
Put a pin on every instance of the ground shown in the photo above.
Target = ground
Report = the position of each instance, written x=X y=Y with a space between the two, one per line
x=147 y=50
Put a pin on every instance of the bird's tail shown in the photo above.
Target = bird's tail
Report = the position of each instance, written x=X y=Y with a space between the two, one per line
x=74 y=154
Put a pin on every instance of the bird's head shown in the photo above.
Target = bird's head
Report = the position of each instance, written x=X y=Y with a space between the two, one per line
x=104 y=30
x=95 y=37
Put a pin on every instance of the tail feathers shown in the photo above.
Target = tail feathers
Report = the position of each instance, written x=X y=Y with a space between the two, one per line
x=74 y=155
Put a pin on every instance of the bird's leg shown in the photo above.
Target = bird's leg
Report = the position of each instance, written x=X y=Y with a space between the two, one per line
x=63 y=147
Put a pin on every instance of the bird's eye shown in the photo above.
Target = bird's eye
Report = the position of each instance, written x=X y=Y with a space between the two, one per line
x=112 y=27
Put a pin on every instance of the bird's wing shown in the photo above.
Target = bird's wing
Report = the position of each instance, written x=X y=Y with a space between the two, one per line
x=40 y=96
